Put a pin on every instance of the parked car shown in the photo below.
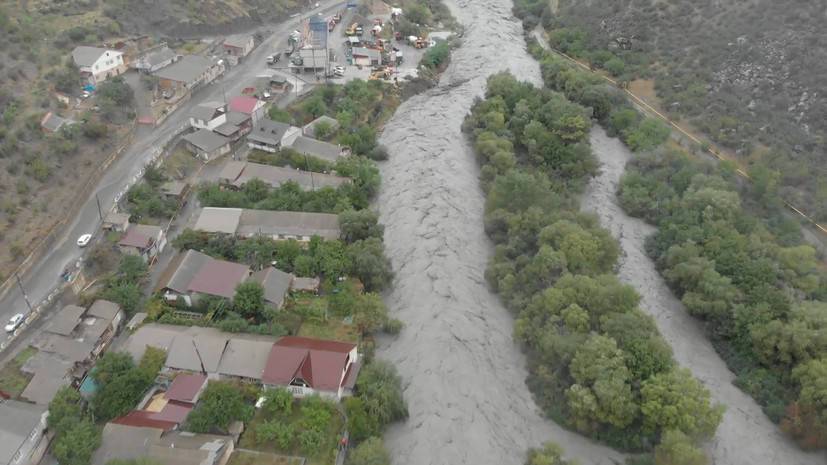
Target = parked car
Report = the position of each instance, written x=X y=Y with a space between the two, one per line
x=14 y=322
x=339 y=70
x=83 y=240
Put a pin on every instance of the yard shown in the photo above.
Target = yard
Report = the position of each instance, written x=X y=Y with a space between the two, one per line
x=12 y=380
x=247 y=457
x=310 y=427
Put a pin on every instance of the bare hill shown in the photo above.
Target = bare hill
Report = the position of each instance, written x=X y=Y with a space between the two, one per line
x=749 y=73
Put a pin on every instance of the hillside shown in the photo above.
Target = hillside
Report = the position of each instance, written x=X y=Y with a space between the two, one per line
x=745 y=72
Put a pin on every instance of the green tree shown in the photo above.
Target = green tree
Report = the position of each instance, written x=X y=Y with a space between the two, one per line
x=550 y=454
x=278 y=114
x=112 y=365
x=369 y=264
x=249 y=299
x=380 y=389
x=370 y=313
x=615 y=66
x=314 y=106
x=64 y=410
x=76 y=445
x=276 y=431
x=676 y=448
x=648 y=135
x=369 y=452
x=221 y=403
x=357 y=225
x=674 y=400
x=812 y=378
x=360 y=425
x=279 y=402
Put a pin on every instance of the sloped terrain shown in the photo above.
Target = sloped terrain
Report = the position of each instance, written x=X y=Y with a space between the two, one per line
x=748 y=73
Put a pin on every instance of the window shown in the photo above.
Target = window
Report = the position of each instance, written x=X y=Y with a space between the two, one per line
x=16 y=456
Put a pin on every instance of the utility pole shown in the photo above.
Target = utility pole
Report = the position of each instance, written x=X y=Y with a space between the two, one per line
x=100 y=210
x=23 y=291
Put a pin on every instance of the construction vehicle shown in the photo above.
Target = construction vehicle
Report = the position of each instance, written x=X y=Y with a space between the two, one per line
x=355 y=29
x=420 y=43
x=380 y=74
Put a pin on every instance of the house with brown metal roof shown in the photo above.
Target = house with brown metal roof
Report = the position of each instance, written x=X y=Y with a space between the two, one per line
x=122 y=441
x=193 y=274
x=278 y=225
x=276 y=284
x=308 y=366
x=143 y=240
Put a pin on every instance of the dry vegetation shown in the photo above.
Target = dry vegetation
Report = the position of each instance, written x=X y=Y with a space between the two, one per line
x=746 y=72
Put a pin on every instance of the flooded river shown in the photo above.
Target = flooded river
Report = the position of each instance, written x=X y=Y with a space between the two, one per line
x=746 y=436
x=464 y=377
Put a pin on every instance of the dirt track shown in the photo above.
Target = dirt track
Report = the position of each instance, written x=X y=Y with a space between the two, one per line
x=746 y=436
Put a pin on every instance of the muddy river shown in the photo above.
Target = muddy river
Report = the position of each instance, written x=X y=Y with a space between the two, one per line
x=464 y=377
x=746 y=436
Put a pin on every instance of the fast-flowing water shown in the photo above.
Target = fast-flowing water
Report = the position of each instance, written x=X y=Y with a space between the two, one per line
x=746 y=436
x=464 y=377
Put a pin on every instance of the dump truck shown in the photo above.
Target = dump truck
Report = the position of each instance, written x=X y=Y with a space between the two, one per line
x=355 y=29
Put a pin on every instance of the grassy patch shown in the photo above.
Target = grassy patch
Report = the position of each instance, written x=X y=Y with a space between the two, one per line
x=243 y=457
x=180 y=163
x=12 y=380
x=333 y=329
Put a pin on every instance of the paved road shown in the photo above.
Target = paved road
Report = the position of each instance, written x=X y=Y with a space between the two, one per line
x=44 y=275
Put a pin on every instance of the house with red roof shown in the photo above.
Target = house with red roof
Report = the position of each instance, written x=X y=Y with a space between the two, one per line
x=192 y=275
x=308 y=366
x=247 y=105
x=167 y=410
x=143 y=240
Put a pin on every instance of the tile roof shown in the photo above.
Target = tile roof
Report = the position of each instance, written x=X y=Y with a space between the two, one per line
x=219 y=278
x=185 y=387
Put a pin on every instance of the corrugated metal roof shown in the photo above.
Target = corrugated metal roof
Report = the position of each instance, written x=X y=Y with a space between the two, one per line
x=316 y=148
x=218 y=220
x=187 y=70
x=87 y=56
x=276 y=176
x=17 y=421
x=275 y=282
x=185 y=387
x=206 y=140
x=298 y=224
x=181 y=270
x=65 y=321
x=219 y=278
x=245 y=358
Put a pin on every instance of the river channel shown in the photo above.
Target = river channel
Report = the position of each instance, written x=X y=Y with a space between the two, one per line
x=463 y=375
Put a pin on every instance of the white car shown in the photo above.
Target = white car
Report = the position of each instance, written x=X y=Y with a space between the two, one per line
x=83 y=240
x=14 y=323
x=339 y=71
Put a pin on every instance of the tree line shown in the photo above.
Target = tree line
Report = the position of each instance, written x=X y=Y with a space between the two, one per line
x=764 y=301
x=597 y=362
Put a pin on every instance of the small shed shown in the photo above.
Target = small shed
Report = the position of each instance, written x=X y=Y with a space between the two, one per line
x=116 y=221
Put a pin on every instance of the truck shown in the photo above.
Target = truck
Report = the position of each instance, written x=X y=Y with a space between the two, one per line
x=355 y=29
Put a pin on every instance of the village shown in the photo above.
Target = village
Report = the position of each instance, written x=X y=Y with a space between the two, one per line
x=224 y=310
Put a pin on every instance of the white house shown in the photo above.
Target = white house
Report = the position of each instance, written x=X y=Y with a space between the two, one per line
x=98 y=64
x=21 y=430
x=271 y=136
x=308 y=366
x=208 y=115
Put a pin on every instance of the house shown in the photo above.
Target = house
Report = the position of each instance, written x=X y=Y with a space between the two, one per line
x=128 y=442
x=199 y=353
x=308 y=366
x=193 y=274
x=143 y=240
x=208 y=115
x=207 y=145
x=276 y=284
x=319 y=149
x=309 y=129
x=153 y=60
x=271 y=136
x=98 y=64
x=186 y=388
x=237 y=173
x=239 y=45
x=244 y=359
x=247 y=105
x=279 y=225
x=115 y=221
x=21 y=431
x=53 y=123
x=73 y=338
x=176 y=190
x=188 y=73
x=167 y=408
x=366 y=56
